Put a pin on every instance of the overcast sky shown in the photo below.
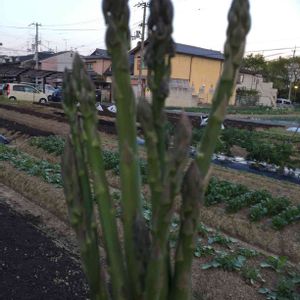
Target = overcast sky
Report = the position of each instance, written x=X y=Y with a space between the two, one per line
x=79 y=25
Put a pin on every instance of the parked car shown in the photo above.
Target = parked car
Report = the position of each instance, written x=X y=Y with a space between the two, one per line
x=25 y=92
x=284 y=103
x=48 y=90
x=57 y=95
x=1 y=88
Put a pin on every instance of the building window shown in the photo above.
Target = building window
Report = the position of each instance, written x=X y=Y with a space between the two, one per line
x=89 y=67
x=144 y=66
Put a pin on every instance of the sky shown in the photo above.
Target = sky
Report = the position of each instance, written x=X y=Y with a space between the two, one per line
x=79 y=25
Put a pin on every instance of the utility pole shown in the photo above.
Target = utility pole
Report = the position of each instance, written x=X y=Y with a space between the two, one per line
x=292 y=74
x=36 y=48
x=141 y=90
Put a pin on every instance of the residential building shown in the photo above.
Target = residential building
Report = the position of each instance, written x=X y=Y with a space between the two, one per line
x=194 y=74
x=255 y=83
x=99 y=61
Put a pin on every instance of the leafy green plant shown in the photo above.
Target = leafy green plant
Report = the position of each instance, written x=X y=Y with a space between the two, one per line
x=50 y=173
x=248 y=253
x=111 y=159
x=222 y=191
x=203 y=250
x=226 y=261
x=276 y=263
x=277 y=154
x=269 y=207
x=244 y=200
x=220 y=239
x=261 y=146
x=288 y=216
x=203 y=230
x=285 y=290
x=52 y=144
x=252 y=275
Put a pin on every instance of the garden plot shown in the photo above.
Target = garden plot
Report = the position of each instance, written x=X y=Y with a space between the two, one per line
x=27 y=168
x=264 y=233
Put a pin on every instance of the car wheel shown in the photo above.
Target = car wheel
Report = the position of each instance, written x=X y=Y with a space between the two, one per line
x=12 y=98
x=43 y=101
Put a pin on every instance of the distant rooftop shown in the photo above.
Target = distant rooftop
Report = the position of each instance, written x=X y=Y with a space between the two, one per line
x=99 y=53
x=197 y=51
x=191 y=50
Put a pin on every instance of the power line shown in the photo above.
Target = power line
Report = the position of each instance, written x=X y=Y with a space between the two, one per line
x=275 y=49
x=71 y=24
x=55 y=29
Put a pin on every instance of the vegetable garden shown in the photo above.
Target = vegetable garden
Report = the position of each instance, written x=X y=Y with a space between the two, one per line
x=270 y=275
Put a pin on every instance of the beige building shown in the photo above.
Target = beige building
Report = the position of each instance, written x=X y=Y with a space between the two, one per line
x=195 y=73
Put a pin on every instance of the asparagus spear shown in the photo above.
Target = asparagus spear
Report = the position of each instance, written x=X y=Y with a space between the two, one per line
x=196 y=181
x=88 y=135
x=116 y=13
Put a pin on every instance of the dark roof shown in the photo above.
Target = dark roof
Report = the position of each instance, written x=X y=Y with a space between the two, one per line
x=99 y=53
x=7 y=70
x=190 y=50
x=42 y=55
x=197 y=51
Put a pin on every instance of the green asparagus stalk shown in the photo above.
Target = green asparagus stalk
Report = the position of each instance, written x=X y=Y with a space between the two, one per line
x=116 y=13
x=157 y=273
x=154 y=171
x=82 y=221
x=192 y=191
x=238 y=27
x=196 y=180
x=84 y=93
x=158 y=56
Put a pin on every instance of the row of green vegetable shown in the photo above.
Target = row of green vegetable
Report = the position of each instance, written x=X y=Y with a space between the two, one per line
x=261 y=146
x=261 y=204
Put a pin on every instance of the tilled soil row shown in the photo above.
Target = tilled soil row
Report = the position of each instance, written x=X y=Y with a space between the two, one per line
x=15 y=126
x=9 y=112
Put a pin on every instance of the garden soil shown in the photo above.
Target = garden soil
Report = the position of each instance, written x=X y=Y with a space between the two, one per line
x=32 y=264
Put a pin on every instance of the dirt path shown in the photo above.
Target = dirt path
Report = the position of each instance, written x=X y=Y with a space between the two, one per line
x=33 y=265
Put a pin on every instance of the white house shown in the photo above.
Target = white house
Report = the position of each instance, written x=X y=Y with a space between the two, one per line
x=251 y=81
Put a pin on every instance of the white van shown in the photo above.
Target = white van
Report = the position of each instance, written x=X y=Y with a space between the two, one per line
x=24 y=92
x=285 y=103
